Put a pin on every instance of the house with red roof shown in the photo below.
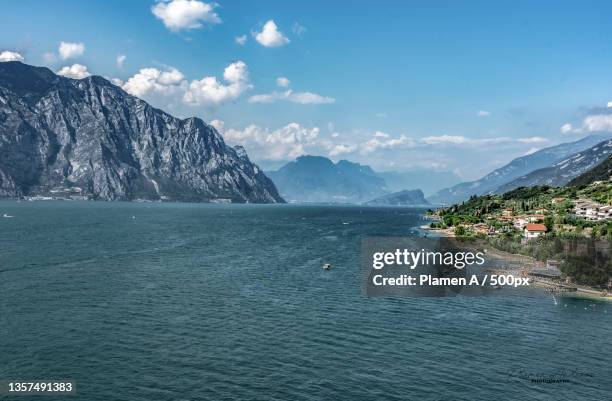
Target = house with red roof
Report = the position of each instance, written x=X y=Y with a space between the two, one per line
x=534 y=230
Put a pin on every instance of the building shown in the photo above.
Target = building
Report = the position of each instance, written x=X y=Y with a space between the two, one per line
x=519 y=222
x=535 y=217
x=604 y=213
x=556 y=201
x=507 y=212
x=534 y=230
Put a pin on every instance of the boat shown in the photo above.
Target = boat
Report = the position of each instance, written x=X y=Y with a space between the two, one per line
x=6 y=216
x=327 y=266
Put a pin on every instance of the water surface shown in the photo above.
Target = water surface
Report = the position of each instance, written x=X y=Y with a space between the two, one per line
x=217 y=302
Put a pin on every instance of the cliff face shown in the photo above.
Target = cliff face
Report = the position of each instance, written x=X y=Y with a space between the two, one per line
x=414 y=197
x=89 y=136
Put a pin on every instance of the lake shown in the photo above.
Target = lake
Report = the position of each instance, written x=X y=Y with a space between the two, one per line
x=169 y=301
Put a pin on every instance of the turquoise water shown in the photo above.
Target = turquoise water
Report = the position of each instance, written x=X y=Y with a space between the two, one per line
x=221 y=302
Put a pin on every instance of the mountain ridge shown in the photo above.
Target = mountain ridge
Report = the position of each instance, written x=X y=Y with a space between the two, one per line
x=563 y=171
x=90 y=135
x=518 y=167
x=318 y=179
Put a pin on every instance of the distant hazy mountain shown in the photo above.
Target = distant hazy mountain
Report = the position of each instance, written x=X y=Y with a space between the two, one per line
x=518 y=167
x=318 y=179
x=563 y=171
x=601 y=172
x=90 y=137
x=428 y=181
x=413 y=197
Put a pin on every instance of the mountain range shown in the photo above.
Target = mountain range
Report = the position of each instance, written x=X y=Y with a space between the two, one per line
x=318 y=179
x=499 y=180
x=560 y=173
x=90 y=137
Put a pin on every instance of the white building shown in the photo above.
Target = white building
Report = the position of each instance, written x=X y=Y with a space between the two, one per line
x=534 y=230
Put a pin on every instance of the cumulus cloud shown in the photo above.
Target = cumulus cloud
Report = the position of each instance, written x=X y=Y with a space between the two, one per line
x=170 y=88
x=185 y=14
x=283 y=82
x=209 y=90
x=290 y=96
x=599 y=120
x=483 y=113
x=8 y=55
x=341 y=149
x=76 y=71
x=270 y=36
x=380 y=134
x=285 y=143
x=154 y=81
x=70 y=50
x=241 y=40
x=120 y=60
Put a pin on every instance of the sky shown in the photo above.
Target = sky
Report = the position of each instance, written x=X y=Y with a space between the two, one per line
x=451 y=86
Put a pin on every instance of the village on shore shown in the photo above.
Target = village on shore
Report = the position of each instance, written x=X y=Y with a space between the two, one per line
x=533 y=222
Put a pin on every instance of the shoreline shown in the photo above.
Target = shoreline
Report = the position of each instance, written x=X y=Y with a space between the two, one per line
x=581 y=291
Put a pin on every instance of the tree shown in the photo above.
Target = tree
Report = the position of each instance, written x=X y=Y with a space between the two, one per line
x=460 y=231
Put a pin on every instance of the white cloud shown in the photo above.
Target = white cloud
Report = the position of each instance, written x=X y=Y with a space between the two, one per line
x=76 y=71
x=10 y=56
x=120 y=60
x=454 y=139
x=375 y=144
x=241 y=40
x=290 y=96
x=209 y=90
x=533 y=139
x=598 y=122
x=169 y=88
x=153 y=81
x=270 y=36
x=567 y=128
x=530 y=151
x=483 y=113
x=337 y=150
x=609 y=104
x=283 y=82
x=335 y=134
x=185 y=14
x=70 y=50
x=285 y=143
x=380 y=134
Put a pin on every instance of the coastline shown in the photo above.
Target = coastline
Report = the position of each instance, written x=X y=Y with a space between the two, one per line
x=526 y=262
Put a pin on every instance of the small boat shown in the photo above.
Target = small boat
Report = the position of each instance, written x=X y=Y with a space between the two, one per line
x=327 y=266
x=7 y=216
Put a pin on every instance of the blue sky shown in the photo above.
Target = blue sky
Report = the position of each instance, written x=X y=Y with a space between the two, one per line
x=457 y=86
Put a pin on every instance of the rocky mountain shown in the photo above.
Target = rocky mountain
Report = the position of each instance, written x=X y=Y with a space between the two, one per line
x=428 y=181
x=518 y=167
x=89 y=137
x=563 y=171
x=601 y=172
x=413 y=197
x=318 y=179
